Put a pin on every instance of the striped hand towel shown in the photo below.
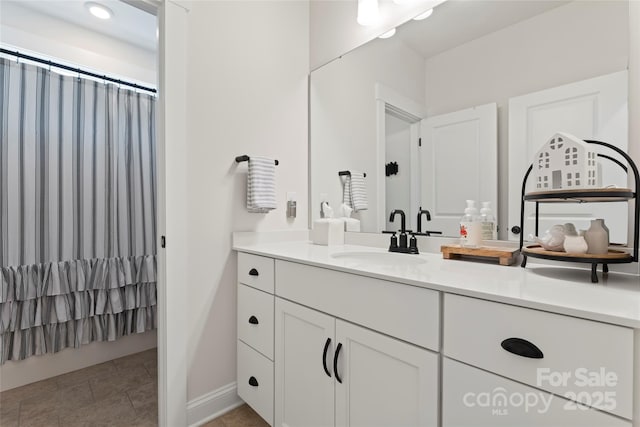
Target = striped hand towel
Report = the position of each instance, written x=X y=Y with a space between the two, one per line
x=354 y=193
x=261 y=185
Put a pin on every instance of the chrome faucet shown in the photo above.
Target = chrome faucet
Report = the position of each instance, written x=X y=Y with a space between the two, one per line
x=401 y=245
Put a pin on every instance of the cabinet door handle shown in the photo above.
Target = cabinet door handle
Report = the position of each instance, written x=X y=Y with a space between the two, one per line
x=335 y=362
x=324 y=357
x=522 y=347
x=253 y=320
x=253 y=272
x=253 y=382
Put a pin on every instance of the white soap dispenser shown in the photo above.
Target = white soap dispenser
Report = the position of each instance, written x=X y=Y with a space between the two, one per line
x=488 y=222
x=470 y=227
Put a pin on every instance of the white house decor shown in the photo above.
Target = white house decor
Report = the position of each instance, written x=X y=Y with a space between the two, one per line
x=565 y=162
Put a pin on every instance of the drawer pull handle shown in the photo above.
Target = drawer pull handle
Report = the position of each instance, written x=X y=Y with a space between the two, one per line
x=253 y=320
x=335 y=362
x=253 y=382
x=324 y=357
x=522 y=348
x=253 y=272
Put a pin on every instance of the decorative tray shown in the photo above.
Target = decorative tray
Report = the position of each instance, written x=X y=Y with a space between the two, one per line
x=614 y=255
x=582 y=195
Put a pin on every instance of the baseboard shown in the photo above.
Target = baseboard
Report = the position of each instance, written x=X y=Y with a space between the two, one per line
x=213 y=404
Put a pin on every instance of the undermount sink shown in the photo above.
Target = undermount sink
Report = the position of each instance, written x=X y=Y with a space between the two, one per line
x=379 y=258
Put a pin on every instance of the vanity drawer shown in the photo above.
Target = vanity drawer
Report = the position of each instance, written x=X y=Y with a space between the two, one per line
x=255 y=319
x=256 y=271
x=472 y=397
x=408 y=313
x=573 y=350
x=255 y=381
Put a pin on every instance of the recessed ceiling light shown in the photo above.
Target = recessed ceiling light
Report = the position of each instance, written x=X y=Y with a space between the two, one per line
x=98 y=10
x=368 y=12
x=388 y=34
x=424 y=15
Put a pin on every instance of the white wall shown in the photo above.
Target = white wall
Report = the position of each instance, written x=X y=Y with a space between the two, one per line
x=246 y=94
x=574 y=42
x=29 y=30
x=343 y=118
x=32 y=31
x=334 y=30
x=398 y=187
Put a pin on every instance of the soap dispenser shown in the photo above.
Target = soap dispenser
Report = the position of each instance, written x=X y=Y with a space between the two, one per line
x=470 y=227
x=488 y=222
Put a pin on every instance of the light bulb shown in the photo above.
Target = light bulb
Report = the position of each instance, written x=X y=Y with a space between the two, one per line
x=423 y=15
x=98 y=10
x=368 y=12
x=388 y=34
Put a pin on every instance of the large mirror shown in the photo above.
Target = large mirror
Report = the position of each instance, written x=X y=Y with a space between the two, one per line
x=455 y=107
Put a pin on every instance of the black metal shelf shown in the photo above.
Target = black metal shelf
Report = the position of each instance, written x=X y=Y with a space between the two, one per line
x=601 y=195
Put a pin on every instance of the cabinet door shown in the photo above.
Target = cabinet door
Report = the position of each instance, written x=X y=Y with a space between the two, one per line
x=472 y=397
x=385 y=382
x=304 y=393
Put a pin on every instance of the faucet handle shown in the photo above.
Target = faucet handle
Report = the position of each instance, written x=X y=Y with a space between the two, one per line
x=394 y=242
x=413 y=244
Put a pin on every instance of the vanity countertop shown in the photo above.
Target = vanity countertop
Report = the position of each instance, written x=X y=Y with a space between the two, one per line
x=557 y=289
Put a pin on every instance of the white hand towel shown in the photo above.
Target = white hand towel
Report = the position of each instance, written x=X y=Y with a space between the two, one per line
x=355 y=192
x=261 y=185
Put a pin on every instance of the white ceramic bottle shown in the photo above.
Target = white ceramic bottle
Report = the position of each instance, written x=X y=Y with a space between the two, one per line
x=470 y=227
x=597 y=239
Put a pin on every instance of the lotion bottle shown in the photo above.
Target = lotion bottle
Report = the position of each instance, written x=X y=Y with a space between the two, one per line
x=488 y=221
x=470 y=227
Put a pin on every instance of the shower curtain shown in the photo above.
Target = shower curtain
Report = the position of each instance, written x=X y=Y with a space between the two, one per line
x=77 y=211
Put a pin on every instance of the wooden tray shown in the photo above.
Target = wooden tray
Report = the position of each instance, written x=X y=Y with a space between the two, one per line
x=505 y=256
x=613 y=255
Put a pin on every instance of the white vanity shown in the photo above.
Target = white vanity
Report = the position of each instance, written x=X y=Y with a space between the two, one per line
x=329 y=338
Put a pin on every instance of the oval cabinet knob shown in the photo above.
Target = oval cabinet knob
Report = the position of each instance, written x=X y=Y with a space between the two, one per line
x=253 y=382
x=522 y=347
x=253 y=320
x=253 y=272
x=516 y=229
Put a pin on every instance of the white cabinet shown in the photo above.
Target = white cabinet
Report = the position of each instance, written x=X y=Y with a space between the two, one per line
x=577 y=358
x=383 y=381
x=472 y=397
x=304 y=394
x=350 y=377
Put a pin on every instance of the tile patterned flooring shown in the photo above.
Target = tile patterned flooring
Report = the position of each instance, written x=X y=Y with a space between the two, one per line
x=119 y=393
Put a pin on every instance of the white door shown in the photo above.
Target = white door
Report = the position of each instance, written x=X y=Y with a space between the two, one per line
x=472 y=397
x=304 y=391
x=459 y=162
x=590 y=109
x=385 y=382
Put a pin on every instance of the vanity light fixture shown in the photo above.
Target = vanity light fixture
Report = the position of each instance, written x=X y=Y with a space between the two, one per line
x=98 y=10
x=368 y=12
x=423 y=15
x=388 y=34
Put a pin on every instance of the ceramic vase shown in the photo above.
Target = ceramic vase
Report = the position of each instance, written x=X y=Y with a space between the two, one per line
x=570 y=229
x=597 y=239
x=601 y=221
x=575 y=245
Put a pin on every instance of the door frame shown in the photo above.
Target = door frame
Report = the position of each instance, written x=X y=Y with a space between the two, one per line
x=170 y=126
x=388 y=100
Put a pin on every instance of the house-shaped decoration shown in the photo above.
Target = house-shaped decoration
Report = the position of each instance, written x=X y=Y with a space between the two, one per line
x=565 y=162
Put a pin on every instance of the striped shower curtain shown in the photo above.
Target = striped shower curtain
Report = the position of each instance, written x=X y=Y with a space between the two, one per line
x=77 y=211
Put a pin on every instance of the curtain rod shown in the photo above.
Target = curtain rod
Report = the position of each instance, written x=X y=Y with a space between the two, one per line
x=77 y=70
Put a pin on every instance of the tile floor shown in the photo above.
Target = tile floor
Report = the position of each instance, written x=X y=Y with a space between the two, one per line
x=118 y=393
x=121 y=392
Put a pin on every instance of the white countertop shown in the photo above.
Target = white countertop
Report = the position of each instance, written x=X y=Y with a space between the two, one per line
x=615 y=299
